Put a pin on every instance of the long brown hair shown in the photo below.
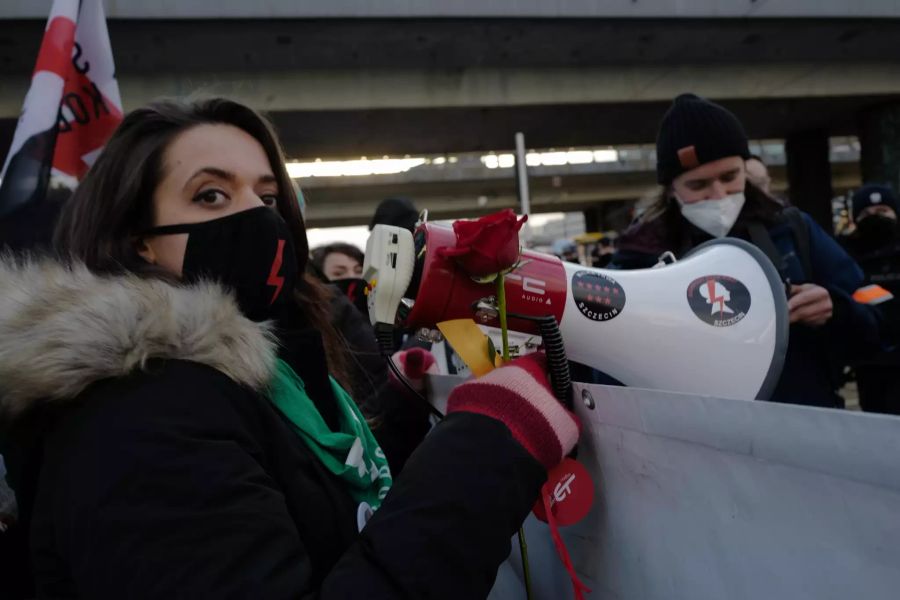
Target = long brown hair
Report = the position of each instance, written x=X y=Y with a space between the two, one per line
x=758 y=205
x=114 y=202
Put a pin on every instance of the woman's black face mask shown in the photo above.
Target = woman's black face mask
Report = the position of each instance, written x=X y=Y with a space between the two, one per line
x=251 y=252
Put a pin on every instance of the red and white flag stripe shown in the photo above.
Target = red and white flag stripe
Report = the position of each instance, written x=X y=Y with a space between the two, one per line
x=71 y=108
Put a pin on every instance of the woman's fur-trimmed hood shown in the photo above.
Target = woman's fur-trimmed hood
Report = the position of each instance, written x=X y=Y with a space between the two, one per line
x=63 y=327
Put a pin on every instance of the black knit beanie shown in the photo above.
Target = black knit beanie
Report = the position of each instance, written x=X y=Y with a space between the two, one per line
x=400 y=212
x=693 y=132
x=873 y=195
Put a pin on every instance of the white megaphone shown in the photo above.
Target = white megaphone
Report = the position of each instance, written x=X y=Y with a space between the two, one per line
x=713 y=323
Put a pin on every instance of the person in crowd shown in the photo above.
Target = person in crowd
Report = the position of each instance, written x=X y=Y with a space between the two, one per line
x=172 y=390
x=875 y=245
x=570 y=254
x=338 y=261
x=339 y=266
x=400 y=212
x=366 y=367
x=758 y=174
x=602 y=254
x=701 y=153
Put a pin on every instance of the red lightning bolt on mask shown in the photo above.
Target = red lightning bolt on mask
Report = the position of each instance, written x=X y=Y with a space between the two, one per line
x=276 y=280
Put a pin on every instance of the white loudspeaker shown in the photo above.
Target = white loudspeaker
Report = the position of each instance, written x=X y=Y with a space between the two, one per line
x=713 y=323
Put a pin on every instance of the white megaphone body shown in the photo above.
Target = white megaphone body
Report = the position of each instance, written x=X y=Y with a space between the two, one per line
x=713 y=323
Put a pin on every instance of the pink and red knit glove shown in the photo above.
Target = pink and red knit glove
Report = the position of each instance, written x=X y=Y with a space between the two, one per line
x=518 y=394
x=414 y=363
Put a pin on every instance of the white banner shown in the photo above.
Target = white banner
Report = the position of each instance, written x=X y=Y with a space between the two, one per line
x=701 y=498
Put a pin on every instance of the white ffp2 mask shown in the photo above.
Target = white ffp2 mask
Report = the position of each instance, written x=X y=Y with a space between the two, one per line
x=715 y=217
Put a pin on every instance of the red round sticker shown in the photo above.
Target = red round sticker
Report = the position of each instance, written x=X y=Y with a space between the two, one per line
x=569 y=491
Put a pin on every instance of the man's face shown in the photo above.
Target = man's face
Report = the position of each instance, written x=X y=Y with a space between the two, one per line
x=876 y=225
x=711 y=181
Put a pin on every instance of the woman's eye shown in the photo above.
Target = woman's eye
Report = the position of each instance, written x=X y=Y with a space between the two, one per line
x=211 y=197
x=269 y=199
x=728 y=177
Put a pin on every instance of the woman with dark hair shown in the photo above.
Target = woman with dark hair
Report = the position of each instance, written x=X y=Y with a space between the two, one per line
x=338 y=261
x=174 y=427
x=339 y=267
x=701 y=151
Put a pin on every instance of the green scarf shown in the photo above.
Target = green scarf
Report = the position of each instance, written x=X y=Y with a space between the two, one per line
x=350 y=453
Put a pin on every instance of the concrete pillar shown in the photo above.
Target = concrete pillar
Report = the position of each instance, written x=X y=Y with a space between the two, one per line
x=809 y=174
x=879 y=137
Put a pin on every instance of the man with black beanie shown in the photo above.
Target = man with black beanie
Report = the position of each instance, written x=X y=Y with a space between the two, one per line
x=701 y=151
x=873 y=208
x=694 y=132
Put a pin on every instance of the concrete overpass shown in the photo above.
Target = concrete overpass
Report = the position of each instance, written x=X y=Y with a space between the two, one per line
x=345 y=88
x=468 y=188
x=352 y=77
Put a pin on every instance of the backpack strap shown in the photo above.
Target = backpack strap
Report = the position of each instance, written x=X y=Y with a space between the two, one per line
x=800 y=230
x=760 y=237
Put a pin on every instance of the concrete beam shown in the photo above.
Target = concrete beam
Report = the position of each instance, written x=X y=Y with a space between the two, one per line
x=267 y=45
x=352 y=87
x=373 y=133
x=325 y=134
x=316 y=90
x=189 y=9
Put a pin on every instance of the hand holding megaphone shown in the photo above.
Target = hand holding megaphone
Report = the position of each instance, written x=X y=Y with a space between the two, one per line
x=518 y=395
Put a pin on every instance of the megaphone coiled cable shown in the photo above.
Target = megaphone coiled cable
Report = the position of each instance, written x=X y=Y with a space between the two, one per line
x=557 y=361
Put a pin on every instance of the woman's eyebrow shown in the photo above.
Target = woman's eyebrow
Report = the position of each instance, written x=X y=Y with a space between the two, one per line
x=214 y=171
x=227 y=176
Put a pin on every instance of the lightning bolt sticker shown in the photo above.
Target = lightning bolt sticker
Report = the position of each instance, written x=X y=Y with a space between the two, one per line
x=713 y=298
x=718 y=300
x=276 y=280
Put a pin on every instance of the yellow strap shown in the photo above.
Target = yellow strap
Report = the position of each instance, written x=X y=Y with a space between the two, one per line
x=469 y=343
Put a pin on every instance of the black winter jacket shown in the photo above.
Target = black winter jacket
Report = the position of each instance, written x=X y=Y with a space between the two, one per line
x=150 y=465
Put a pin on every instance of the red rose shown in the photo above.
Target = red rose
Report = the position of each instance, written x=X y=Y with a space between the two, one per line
x=487 y=245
